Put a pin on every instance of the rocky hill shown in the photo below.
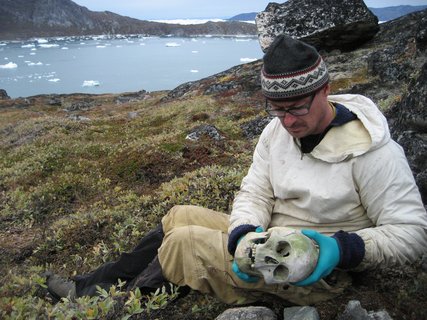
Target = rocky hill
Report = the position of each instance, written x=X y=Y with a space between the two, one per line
x=22 y=19
x=383 y=14
x=82 y=177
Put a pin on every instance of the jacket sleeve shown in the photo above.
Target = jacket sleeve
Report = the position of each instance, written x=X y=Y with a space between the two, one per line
x=392 y=201
x=254 y=202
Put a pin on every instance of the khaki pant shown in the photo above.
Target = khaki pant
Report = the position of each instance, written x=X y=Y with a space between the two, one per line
x=194 y=253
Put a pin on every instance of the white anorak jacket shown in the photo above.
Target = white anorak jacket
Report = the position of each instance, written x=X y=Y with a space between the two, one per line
x=356 y=179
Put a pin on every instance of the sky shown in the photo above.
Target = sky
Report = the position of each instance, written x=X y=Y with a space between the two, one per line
x=201 y=9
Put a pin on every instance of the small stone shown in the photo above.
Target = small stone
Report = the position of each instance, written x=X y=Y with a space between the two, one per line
x=300 y=313
x=248 y=313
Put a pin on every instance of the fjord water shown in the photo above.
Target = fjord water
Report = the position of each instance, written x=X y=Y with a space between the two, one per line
x=120 y=64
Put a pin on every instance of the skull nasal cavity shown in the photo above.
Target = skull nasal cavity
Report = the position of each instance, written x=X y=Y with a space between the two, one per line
x=281 y=273
x=270 y=260
x=283 y=249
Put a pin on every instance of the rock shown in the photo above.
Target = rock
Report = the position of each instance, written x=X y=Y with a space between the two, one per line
x=204 y=129
x=132 y=114
x=408 y=123
x=255 y=313
x=300 y=313
x=55 y=101
x=329 y=25
x=424 y=263
x=79 y=105
x=132 y=97
x=77 y=117
x=253 y=129
x=354 y=311
x=3 y=95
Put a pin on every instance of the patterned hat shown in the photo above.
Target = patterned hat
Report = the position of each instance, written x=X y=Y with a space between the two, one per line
x=292 y=70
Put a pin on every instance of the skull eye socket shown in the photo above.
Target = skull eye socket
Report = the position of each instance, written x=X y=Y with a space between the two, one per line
x=283 y=249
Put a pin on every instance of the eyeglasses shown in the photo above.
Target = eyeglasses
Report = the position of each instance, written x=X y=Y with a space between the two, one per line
x=295 y=111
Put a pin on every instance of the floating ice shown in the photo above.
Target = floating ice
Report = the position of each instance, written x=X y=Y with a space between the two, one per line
x=247 y=59
x=50 y=45
x=172 y=44
x=90 y=83
x=64 y=48
x=9 y=65
x=54 y=80
x=32 y=53
x=41 y=40
x=27 y=46
x=194 y=51
x=35 y=64
x=189 y=21
x=194 y=70
x=100 y=47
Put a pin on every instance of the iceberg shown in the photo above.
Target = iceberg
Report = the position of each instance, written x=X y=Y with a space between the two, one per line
x=90 y=83
x=172 y=44
x=9 y=65
x=35 y=64
x=49 y=45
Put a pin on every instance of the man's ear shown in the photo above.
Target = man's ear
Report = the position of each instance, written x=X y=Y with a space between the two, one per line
x=327 y=89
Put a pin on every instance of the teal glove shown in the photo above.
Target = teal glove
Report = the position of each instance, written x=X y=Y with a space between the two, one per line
x=241 y=275
x=329 y=257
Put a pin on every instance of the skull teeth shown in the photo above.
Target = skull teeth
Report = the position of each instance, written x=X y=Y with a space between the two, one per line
x=253 y=254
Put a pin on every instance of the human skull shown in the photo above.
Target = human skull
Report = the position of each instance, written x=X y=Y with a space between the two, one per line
x=280 y=255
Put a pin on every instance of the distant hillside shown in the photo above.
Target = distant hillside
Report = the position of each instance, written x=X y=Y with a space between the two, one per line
x=390 y=13
x=244 y=17
x=22 y=19
x=383 y=14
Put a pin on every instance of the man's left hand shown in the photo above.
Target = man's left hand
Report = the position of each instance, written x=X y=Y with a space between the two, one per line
x=329 y=257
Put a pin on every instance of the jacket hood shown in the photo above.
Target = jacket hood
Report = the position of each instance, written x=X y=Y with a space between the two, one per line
x=356 y=137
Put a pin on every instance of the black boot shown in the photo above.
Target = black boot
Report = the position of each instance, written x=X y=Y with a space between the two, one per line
x=151 y=279
x=126 y=268
x=59 y=287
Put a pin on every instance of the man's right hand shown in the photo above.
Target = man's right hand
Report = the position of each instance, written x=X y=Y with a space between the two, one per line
x=241 y=275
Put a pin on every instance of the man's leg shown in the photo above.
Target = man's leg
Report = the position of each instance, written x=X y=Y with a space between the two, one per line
x=126 y=268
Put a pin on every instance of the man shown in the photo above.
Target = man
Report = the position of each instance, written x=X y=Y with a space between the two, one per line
x=325 y=164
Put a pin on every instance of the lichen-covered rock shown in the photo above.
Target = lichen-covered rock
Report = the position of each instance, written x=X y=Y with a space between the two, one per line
x=261 y=313
x=408 y=121
x=3 y=95
x=331 y=24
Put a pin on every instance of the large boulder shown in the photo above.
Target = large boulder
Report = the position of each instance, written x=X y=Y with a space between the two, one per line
x=328 y=24
x=408 y=124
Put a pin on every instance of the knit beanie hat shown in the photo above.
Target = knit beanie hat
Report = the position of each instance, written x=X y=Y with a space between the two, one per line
x=292 y=70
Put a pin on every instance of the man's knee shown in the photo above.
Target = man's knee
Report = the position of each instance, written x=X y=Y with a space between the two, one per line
x=185 y=215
